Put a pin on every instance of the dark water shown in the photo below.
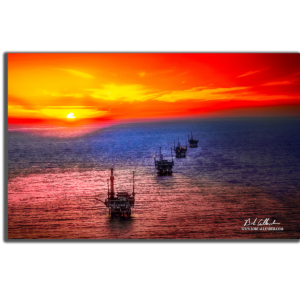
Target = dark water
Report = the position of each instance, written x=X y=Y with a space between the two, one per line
x=243 y=168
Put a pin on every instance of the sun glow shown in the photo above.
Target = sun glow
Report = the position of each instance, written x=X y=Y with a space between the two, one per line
x=71 y=116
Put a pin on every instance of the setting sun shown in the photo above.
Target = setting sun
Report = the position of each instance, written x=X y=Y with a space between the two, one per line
x=71 y=116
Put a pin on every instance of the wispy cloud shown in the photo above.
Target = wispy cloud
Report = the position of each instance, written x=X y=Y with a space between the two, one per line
x=128 y=92
x=131 y=93
x=183 y=73
x=200 y=93
x=59 y=94
x=252 y=72
x=279 y=82
x=17 y=101
x=291 y=79
x=78 y=73
x=162 y=72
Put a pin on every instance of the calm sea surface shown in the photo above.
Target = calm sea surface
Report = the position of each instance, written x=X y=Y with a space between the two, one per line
x=243 y=168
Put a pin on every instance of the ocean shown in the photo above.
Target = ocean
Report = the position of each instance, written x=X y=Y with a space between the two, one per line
x=243 y=168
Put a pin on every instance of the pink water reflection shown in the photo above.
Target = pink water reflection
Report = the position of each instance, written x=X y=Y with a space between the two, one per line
x=62 y=205
x=61 y=131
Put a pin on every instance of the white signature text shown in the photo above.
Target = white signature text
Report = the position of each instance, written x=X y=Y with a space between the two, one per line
x=261 y=222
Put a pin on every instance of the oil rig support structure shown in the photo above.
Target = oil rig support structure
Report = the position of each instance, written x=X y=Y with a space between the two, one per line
x=192 y=141
x=179 y=150
x=163 y=166
x=121 y=204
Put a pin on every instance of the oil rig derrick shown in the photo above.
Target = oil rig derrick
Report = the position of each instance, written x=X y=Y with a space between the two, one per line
x=192 y=141
x=119 y=203
x=179 y=150
x=163 y=166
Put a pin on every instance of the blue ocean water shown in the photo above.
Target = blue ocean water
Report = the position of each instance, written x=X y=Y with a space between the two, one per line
x=243 y=168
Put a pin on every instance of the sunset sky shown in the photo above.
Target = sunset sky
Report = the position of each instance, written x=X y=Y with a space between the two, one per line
x=48 y=87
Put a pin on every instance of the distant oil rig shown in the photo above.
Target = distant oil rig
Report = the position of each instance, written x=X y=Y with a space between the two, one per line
x=179 y=150
x=121 y=204
x=163 y=166
x=192 y=141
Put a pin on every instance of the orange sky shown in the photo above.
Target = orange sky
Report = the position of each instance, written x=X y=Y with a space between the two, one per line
x=46 y=87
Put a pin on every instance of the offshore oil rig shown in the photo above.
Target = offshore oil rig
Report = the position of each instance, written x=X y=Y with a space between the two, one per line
x=192 y=141
x=121 y=204
x=179 y=150
x=163 y=166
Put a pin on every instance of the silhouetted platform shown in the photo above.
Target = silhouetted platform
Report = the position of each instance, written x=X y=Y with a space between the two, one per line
x=163 y=166
x=193 y=142
x=120 y=204
x=179 y=150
